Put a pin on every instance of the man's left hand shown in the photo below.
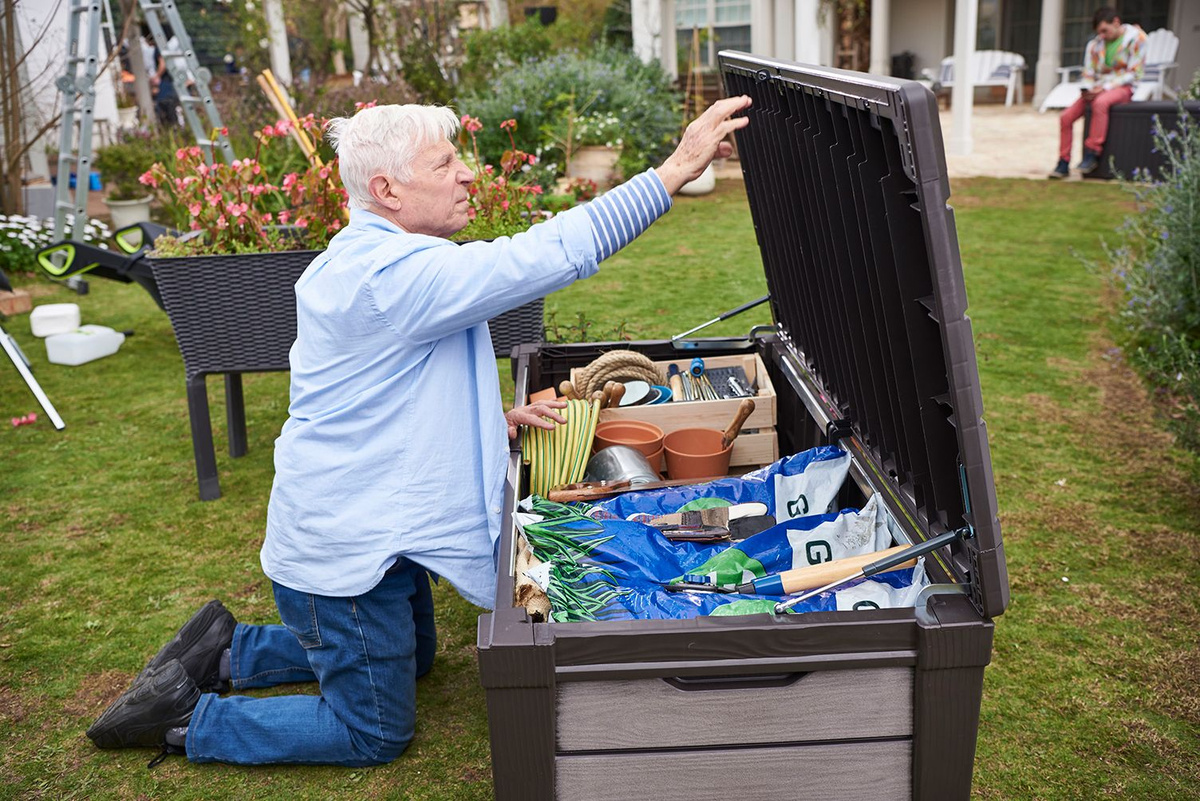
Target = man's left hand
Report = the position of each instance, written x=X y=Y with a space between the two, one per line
x=535 y=414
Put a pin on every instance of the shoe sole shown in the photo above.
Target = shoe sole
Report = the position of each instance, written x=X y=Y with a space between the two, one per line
x=198 y=646
x=140 y=718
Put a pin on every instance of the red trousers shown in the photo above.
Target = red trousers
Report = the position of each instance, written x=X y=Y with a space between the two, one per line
x=1098 y=131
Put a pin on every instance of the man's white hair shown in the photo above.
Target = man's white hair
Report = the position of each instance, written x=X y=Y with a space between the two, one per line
x=385 y=140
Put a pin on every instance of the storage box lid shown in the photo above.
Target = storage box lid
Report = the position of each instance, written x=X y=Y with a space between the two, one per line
x=847 y=184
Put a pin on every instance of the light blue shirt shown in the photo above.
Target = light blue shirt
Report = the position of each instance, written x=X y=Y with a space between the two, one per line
x=396 y=443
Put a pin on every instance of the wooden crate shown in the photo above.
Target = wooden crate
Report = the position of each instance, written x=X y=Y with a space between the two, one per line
x=15 y=302
x=757 y=445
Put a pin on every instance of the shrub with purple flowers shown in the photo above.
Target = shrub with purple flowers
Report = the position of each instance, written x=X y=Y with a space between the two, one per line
x=1157 y=269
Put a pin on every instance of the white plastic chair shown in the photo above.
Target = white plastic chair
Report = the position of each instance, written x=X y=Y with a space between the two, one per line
x=988 y=68
x=1161 y=47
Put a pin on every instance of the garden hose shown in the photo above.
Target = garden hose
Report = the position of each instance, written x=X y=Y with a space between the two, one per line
x=560 y=456
x=617 y=365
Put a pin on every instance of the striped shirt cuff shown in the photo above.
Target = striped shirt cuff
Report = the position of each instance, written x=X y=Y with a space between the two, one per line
x=621 y=214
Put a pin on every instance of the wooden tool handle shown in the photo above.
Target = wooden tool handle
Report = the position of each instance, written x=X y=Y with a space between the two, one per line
x=809 y=578
x=618 y=392
x=589 y=492
x=567 y=390
x=745 y=409
x=676 y=383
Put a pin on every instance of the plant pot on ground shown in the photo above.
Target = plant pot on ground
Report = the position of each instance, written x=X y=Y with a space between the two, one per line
x=120 y=165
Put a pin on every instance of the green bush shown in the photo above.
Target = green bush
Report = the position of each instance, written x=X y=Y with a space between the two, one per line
x=487 y=53
x=537 y=94
x=121 y=164
x=1157 y=268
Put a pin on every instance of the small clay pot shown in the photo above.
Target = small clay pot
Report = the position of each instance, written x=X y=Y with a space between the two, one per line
x=696 y=453
x=645 y=437
x=656 y=461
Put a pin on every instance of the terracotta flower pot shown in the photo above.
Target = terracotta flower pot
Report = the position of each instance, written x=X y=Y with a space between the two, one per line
x=645 y=437
x=596 y=162
x=696 y=453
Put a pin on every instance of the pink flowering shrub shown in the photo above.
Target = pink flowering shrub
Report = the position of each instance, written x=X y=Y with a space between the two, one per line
x=241 y=208
x=504 y=201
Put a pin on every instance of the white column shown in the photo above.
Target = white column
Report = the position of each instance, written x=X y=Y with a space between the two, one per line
x=807 y=31
x=785 y=26
x=281 y=62
x=359 y=41
x=962 y=96
x=668 y=52
x=881 y=30
x=643 y=37
x=653 y=23
x=497 y=12
x=762 y=27
x=1049 y=50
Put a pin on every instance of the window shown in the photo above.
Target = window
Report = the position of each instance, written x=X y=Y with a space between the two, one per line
x=722 y=25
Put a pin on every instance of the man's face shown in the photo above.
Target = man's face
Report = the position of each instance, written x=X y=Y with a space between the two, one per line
x=1109 y=31
x=434 y=201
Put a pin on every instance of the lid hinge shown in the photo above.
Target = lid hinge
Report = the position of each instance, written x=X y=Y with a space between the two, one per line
x=838 y=430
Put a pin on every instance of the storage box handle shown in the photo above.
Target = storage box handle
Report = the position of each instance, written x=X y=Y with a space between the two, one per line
x=746 y=682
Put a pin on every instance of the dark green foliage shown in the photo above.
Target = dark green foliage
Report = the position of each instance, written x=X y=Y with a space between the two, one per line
x=422 y=73
x=1157 y=268
x=121 y=164
x=538 y=93
x=487 y=53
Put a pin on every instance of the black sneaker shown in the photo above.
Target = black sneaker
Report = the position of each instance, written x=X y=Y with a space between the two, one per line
x=1090 y=161
x=198 y=645
x=1061 y=171
x=158 y=700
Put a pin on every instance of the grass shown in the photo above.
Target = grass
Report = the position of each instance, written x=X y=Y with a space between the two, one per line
x=1092 y=692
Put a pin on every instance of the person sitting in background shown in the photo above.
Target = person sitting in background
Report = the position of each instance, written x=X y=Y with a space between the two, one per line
x=1112 y=64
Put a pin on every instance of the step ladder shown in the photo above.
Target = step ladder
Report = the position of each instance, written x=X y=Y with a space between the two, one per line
x=182 y=64
x=78 y=105
x=85 y=20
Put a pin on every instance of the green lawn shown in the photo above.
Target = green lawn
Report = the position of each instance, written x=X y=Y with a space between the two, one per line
x=1093 y=689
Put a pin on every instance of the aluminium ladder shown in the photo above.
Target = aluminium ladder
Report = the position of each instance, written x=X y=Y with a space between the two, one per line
x=78 y=105
x=79 y=98
x=185 y=69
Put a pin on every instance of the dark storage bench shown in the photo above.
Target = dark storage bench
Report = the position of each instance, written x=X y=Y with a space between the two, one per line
x=872 y=350
x=1130 y=143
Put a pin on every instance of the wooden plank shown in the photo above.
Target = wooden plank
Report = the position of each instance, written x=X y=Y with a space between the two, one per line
x=706 y=414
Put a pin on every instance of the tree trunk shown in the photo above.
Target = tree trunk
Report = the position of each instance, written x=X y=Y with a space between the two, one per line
x=11 y=200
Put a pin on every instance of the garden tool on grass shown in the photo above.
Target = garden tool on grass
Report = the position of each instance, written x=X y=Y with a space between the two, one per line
x=886 y=563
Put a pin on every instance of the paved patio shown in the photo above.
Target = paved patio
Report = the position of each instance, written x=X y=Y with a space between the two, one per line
x=1015 y=142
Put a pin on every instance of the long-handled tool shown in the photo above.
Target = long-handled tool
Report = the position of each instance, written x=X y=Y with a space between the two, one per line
x=885 y=564
x=790 y=582
x=725 y=316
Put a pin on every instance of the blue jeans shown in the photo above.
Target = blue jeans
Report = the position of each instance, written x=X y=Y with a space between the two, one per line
x=366 y=653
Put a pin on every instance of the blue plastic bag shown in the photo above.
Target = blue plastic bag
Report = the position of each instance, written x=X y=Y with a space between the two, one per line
x=601 y=567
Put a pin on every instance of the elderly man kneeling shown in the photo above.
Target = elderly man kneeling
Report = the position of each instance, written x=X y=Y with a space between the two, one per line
x=391 y=465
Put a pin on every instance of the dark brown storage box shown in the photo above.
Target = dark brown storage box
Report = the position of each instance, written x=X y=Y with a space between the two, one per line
x=872 y=350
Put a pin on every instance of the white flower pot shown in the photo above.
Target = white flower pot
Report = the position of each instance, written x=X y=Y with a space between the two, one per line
x=706 y=183
x=596 y=162
x=128 y=212
x=127 y=118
